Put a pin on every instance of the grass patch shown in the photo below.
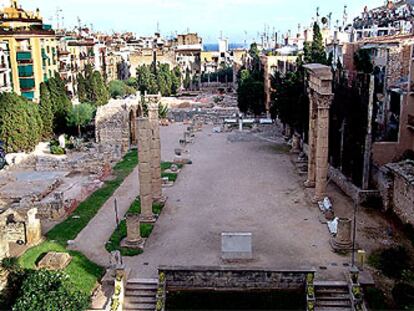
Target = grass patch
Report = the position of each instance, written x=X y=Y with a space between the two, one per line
x=120 y=232
x=167 y=166
x=83 y=273
x=171 y=176
x=70 y=228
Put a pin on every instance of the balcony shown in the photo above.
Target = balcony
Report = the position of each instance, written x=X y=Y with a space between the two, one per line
x=24 y=56
x=27 y=83
x=25 y=71
x=28 y=95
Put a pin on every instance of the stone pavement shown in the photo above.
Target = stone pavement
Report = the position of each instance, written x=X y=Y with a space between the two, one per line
x=91 y=240
x=238 y=184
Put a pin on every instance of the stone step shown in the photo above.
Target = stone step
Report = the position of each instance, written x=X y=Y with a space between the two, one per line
x=330 y=284
x=143 y=281
x=139 y=286
x=140 y=293
x=333 y=309
x=139 y=306
x=140 y=299
x=333 y=297
x=335 y=303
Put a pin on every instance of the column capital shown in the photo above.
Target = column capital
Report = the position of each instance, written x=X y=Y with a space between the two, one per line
x=324 y=101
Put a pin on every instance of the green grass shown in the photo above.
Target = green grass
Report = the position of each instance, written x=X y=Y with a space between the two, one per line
x=83 y=273
x=70 y=228
x=171 y=176
x=167 y=166
x=120 y=232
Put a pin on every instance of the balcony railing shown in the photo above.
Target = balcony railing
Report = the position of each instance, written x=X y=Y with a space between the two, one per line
x=24 y=55
x=25 y=71
x=27 y=83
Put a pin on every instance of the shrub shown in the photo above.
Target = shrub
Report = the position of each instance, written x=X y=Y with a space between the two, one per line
x=20 y=123
x=57 y=150
x=49 y=290
x=392 y=262
x=403 y=295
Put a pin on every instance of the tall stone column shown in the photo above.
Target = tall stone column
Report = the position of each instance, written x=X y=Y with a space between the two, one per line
x=322 y=147
x=313 y=116
x=145 y=170
x=155 y=151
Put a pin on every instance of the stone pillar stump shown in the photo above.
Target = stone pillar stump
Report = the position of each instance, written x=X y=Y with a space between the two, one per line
x=342 y=242
x=133 y=239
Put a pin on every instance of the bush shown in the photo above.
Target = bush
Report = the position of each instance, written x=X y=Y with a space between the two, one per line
x=403 y=295
x=49 y=290
x=118 y=88
x=375 y=299
x=21 y=126
x=392 y=262
x=57 y=150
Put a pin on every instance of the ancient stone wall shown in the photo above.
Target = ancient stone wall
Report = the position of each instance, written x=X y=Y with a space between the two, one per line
x=232 y=278
x=396 y=183
x=115 y=123
x=349 y=188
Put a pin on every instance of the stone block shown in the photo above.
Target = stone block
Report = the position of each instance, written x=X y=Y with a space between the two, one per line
x=236 y=245
x=54 y=261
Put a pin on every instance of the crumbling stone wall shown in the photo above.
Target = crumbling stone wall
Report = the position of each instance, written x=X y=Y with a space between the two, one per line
x=19 y=226
x=115 y=123
x=396 y=184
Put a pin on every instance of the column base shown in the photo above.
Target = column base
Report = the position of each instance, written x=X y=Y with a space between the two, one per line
x=160 y=200
x=148 y=219
x=317 y=198
x=309 y=184
x=139 y=244
x=343 y=248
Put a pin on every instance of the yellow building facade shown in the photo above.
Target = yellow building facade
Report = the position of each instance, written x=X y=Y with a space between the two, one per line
x=32 y=49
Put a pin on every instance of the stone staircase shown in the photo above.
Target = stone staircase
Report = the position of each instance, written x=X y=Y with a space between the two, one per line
x=140 y=294
x=332 y=296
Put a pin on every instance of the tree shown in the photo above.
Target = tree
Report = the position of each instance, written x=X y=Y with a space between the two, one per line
x=99 y=94
x=187 y=80
x=61 y=103
x=362 y=60
x=45 y=109
x=176 y=80
x=20 y=123
x=250 y=93
x=49 y=290
x=118 y=88
x=80 y=116
x=315 y=52
x=82 y=96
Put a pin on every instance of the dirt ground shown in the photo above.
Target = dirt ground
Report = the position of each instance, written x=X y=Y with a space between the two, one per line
x=239 y=182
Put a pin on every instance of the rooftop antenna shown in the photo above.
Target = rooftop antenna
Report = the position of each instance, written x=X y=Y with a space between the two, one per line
x=158 y=27
x=317 y=14
x=329 y=19
x=79 y=25
x=345 y=17
x=58 y=11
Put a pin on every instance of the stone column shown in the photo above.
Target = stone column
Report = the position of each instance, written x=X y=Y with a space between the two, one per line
x=313 y=116
x=33 y=228
x=155 y=151
x=145 y=171
x=322 y=147
x=342 y=241
x=133 y=239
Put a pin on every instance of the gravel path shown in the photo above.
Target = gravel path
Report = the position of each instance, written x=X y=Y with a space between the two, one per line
x=245 y=184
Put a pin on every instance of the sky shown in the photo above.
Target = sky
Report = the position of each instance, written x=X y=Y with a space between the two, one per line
x=239 y=20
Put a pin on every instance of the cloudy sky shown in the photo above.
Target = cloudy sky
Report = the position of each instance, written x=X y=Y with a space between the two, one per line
x=209 y=18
